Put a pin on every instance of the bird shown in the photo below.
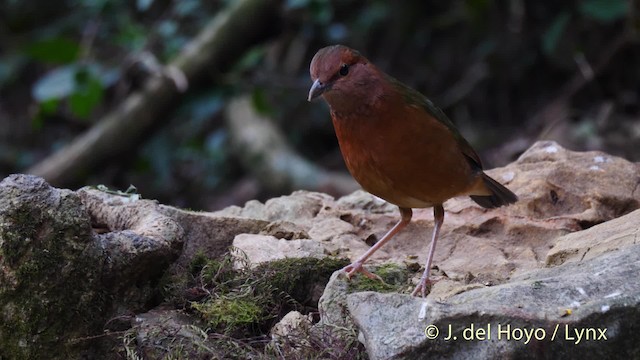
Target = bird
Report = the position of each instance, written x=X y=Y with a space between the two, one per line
x=398 y=146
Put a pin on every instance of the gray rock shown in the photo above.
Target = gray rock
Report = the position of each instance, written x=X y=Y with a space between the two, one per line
x=209 y=235
x=592 y=307
x=257 y=249
x=609 y=236
x=71 y=261
x=50 y=271
x=165 y=334
x=290 y=335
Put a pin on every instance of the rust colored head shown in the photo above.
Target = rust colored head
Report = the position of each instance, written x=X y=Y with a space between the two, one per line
x=342 y=76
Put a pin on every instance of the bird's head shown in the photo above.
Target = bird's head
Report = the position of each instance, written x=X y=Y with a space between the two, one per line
x=341 y=74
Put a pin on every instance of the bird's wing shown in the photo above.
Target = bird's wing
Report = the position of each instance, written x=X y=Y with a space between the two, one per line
x=414 y=97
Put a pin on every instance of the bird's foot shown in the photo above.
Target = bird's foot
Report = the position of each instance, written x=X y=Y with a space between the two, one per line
x=421 y=288
x=356 y=267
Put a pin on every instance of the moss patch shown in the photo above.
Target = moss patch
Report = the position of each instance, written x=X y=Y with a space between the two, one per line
x=394 y=279
x=229 y=313
x=48 y=278
x=238 y=307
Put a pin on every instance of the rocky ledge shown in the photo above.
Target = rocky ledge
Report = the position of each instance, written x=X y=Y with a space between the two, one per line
x=100 y=274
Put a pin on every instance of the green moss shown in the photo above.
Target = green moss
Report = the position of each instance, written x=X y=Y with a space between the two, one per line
x=247 y=301
x=237 y=304
x=295 y=277
x=47 y=292
x=394 y=279
x=392 y=273
x=198 y=262
x=229 y=313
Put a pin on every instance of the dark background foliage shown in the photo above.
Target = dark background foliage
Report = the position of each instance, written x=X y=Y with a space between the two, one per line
x=508 y=73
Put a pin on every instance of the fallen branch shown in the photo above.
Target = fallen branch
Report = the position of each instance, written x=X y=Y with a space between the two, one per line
x=264 y=152
x=225 y=38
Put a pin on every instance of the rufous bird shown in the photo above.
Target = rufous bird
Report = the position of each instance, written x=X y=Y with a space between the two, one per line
x=398 y=145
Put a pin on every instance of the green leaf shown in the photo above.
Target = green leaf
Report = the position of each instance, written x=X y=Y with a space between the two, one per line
x=552 y=36
x=604 y=10
x=54 y=50
x=49 y=107
x=83 y=87
x=45 y=109
x=260 y=102
x=131 y=35
x=87 y=96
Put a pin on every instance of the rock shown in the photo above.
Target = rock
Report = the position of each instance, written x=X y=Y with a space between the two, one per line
x=583 y=245
x=594 y=298
x=560 y=192
x=136 y=240
x=257 y=249
x=285 y=230
x=327 y=229
x=208 y=235
x=50 y=271
x=290 y=335
x=61 y=281
x=163 y=333
x=333 y=304
x=301 y=207
x=292 y=324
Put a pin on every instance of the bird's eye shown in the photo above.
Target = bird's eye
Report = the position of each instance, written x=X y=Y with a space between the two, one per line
x=344 y=70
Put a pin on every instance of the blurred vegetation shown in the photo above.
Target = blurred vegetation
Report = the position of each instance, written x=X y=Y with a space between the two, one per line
x=491 y=65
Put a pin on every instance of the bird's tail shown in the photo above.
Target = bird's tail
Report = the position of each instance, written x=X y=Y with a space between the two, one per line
x=500 y=195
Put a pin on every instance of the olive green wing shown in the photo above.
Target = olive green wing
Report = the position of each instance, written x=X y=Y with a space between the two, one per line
x=414 y=97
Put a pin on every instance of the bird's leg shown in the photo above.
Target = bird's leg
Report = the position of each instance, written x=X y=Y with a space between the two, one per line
x=356 y=266
x=438 y=214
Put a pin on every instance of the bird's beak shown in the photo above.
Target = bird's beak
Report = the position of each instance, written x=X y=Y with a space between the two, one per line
x=316 y=90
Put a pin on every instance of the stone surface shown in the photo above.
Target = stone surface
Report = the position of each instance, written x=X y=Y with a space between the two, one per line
x=609 y=236
x=594 y=296
x=71 y=261
x=263 y=248
x=290 y=334
x=50 y=286
x=136 y=240
x=333 y=303
x=209 y=235
x=168 y=334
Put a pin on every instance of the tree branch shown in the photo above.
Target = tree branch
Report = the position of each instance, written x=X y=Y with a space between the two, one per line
x=264 y=152
x=224 y=39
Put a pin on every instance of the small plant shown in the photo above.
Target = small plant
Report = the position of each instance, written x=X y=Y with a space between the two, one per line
x=229 y=313
x=239 y=304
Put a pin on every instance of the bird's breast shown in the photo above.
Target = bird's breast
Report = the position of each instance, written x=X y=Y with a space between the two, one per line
x=403 y=156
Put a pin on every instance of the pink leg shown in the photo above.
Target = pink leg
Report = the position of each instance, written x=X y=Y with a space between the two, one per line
x=438 y=214
x=356 y=266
